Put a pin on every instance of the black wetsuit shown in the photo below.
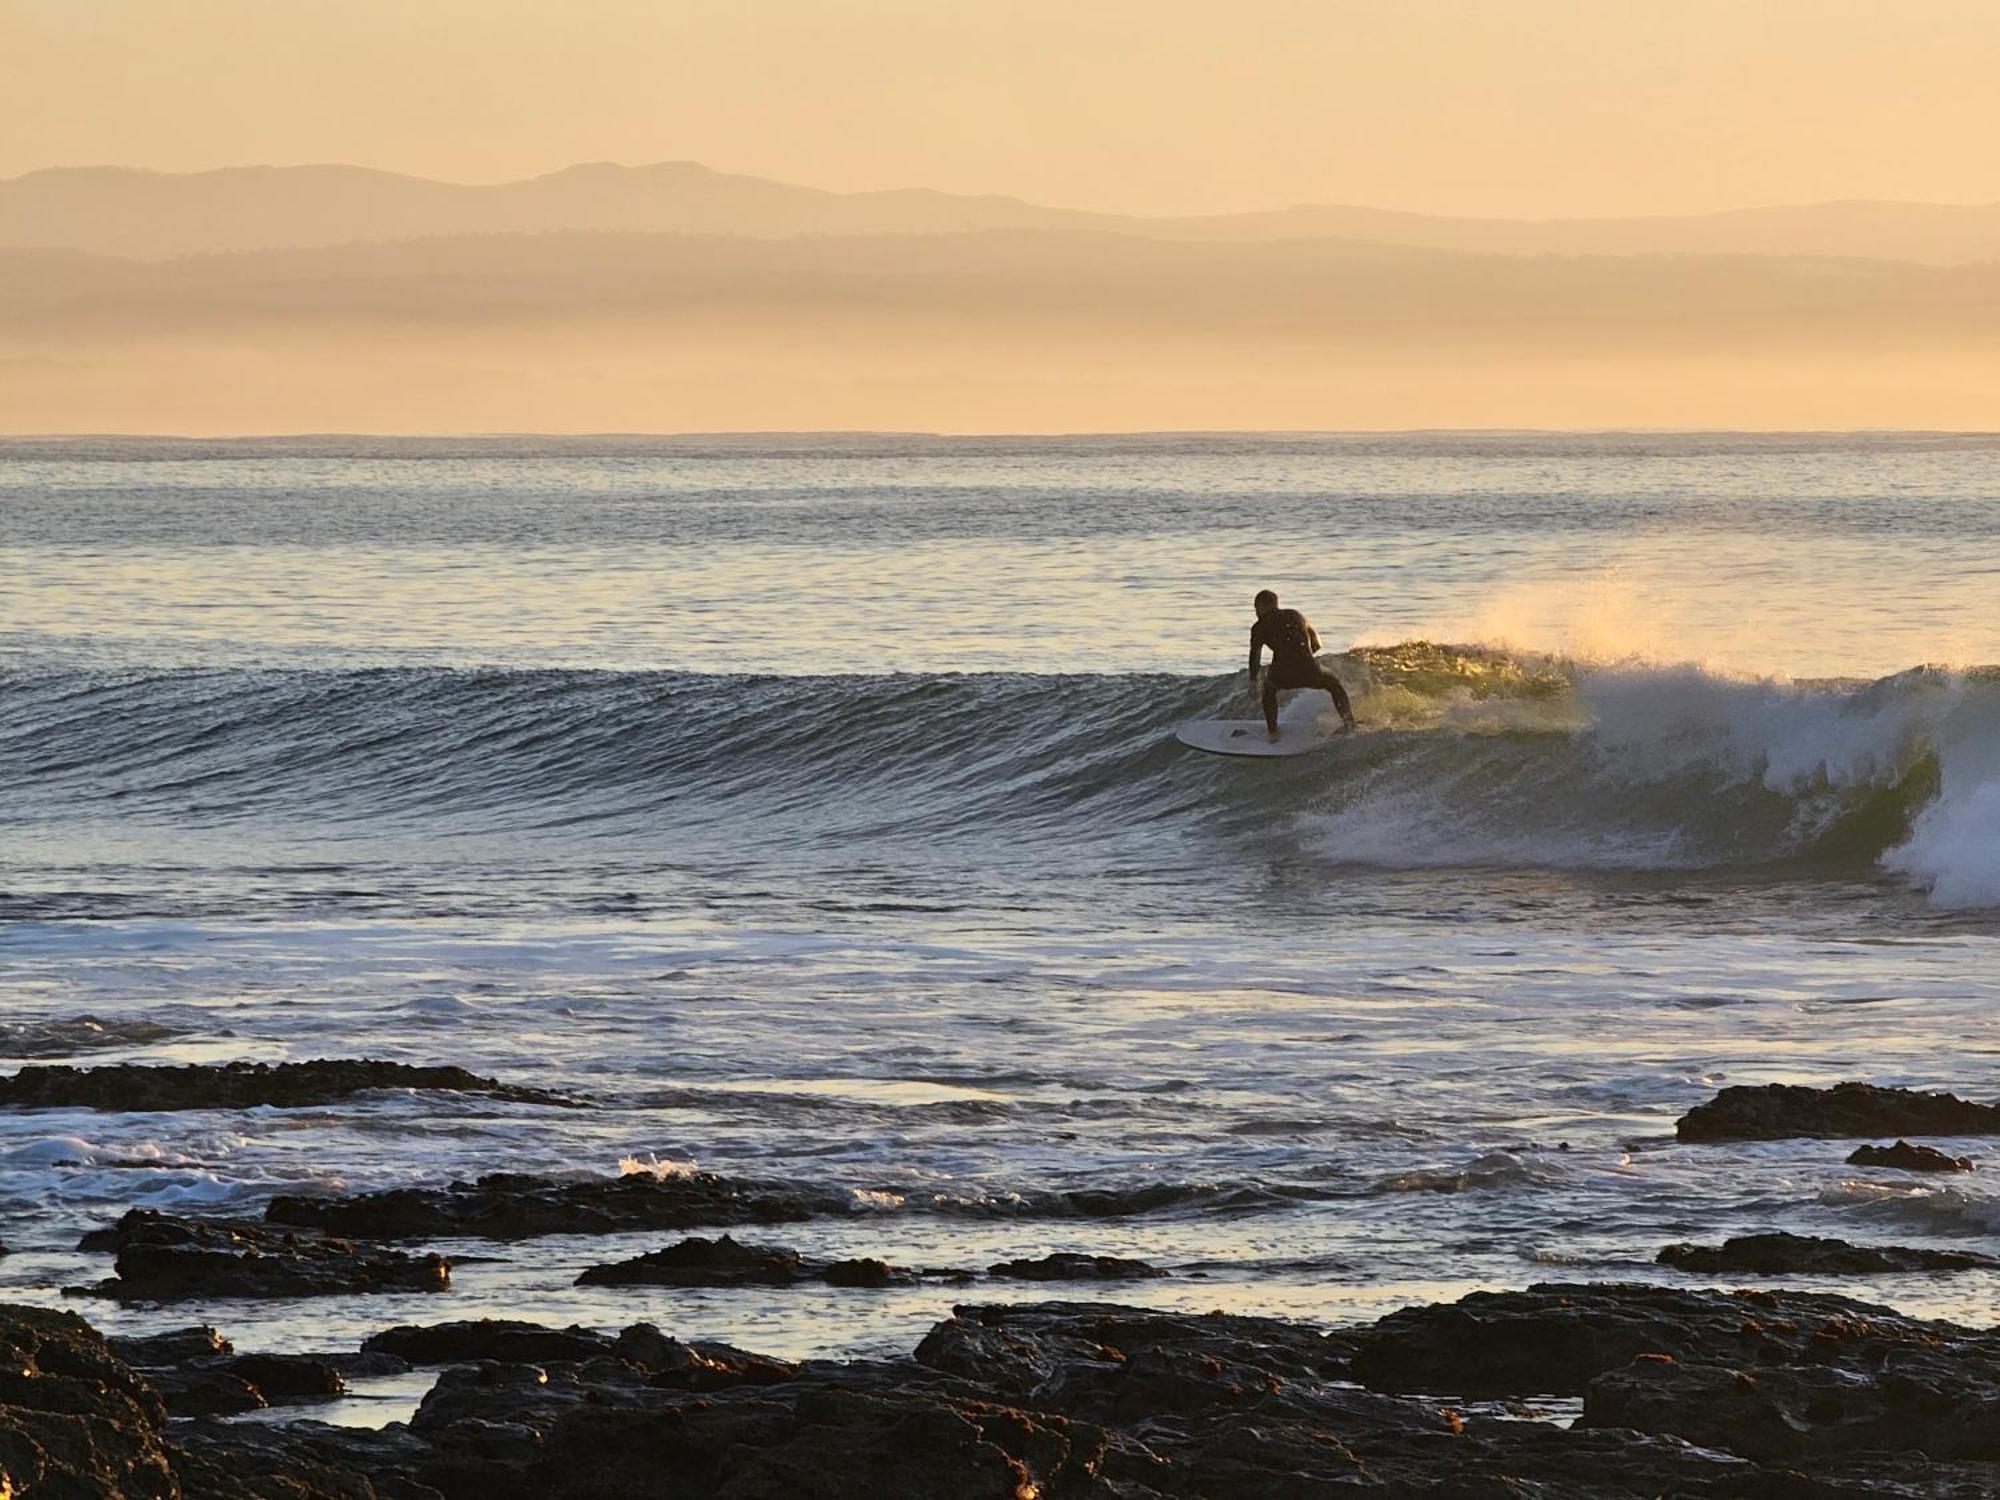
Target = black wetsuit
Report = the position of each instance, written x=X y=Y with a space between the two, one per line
x=1291 y=640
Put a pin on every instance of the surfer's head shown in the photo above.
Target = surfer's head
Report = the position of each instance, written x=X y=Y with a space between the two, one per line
x=1264 y=603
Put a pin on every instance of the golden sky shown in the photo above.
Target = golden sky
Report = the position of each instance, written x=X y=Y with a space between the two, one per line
x=1504 y=107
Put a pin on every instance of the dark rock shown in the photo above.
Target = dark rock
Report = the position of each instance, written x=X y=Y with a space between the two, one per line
x=164 y=1258
x=1907 y=1158
x=725 y=1262
x=1781 y=1254
x=499 y=1339
x=1790 y=1413
x=1774 y=1377
x=866 y=1272
x=1019 y=1351
x=701 y=1365
x=175 y=1347
x=1177 y=1404
x=242 y=1085
x=697 y=1262
x=296 y=1461
x=840 y=1442
x=287 y=1379
x=857 y=1430
x=77 y=1424
x=197 y=1373
x=485 y=1426
x=197 y=1391
x=1783 y=1111
x=366 y=1364
x=74 y=1420
x=1790 y=1397
x=1111 y=1202
x=513 y=1206
x=1066 y=1266
x=1554 y=1339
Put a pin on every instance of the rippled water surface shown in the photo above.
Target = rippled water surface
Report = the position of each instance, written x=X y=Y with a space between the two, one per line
x=811 y=807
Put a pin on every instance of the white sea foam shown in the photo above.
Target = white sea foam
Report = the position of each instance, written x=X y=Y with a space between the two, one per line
x=1647 y=766
x=52 y=1151
x=875 y=1200
x=650 y=1165
x=1953 y=850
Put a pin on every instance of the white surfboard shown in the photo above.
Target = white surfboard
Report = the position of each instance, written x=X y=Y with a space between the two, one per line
x=1247 y=737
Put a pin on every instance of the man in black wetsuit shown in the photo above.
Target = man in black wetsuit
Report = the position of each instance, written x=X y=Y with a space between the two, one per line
x=1292 y=641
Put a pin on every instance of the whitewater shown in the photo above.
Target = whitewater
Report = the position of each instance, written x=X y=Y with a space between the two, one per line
x=810 y=805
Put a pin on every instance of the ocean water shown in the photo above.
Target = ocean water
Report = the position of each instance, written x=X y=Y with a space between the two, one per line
x=811 y=806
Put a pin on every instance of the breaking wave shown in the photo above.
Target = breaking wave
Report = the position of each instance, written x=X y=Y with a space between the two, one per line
x=1471 y=757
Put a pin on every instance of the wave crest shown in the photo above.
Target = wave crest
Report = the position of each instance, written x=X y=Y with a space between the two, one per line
x=1471 y=757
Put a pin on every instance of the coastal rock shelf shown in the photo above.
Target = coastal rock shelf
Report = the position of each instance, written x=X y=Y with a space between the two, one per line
x=515 y=1206
x=244 y=1085
x=726 y=1262
x=1781 y=1254
x=1064 y=1266
x=518 y=1206
x=1789 y=1111
x=1689 y=1393
x=165 y=1258
x=1903 y=1157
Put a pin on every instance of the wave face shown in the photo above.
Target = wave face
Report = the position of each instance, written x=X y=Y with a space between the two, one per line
x=1472 y=758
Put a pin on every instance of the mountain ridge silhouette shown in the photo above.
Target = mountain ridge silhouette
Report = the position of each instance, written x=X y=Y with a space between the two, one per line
x=143 y=214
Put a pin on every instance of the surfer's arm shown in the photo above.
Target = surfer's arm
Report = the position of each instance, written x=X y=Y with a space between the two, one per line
x=1256 y=650
x=1312 y=638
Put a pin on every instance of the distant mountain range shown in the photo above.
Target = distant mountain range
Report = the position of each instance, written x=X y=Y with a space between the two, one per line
x=674 y=298
x=152 y=215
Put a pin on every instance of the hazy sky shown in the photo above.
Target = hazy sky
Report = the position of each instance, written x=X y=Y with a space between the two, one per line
x=1517 y=107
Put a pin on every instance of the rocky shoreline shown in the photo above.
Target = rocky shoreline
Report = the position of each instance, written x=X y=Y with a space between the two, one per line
x=1560 y=1390
x=1683 y=1392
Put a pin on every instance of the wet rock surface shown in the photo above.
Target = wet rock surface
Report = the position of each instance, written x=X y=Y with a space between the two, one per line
x=1781 y=1254
x=503 y=1340
x=167 y=1258
x=74 y=1419
x=243 y=1085
x=177 y=1346
x=698 y=1262
x=1786 y=1111
x=1907 y=1158
x=1686 y=1393
x=870 y=1272
x=1065 y=1266
x=227 y=1384
x=78 y=1423
x=515 y=1206
x=700 y=1364
x=1785 y=1378
x=726 y=1262
x=1555 y=1338
x=298 y=1461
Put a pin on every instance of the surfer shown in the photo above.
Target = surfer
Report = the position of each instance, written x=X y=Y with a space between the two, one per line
x=1293 y=641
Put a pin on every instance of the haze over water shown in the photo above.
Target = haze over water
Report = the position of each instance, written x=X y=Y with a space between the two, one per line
x=812 y=804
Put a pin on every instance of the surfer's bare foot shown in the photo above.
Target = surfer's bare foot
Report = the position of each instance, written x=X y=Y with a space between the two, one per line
x=1271 y=735
x=1346 y=727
